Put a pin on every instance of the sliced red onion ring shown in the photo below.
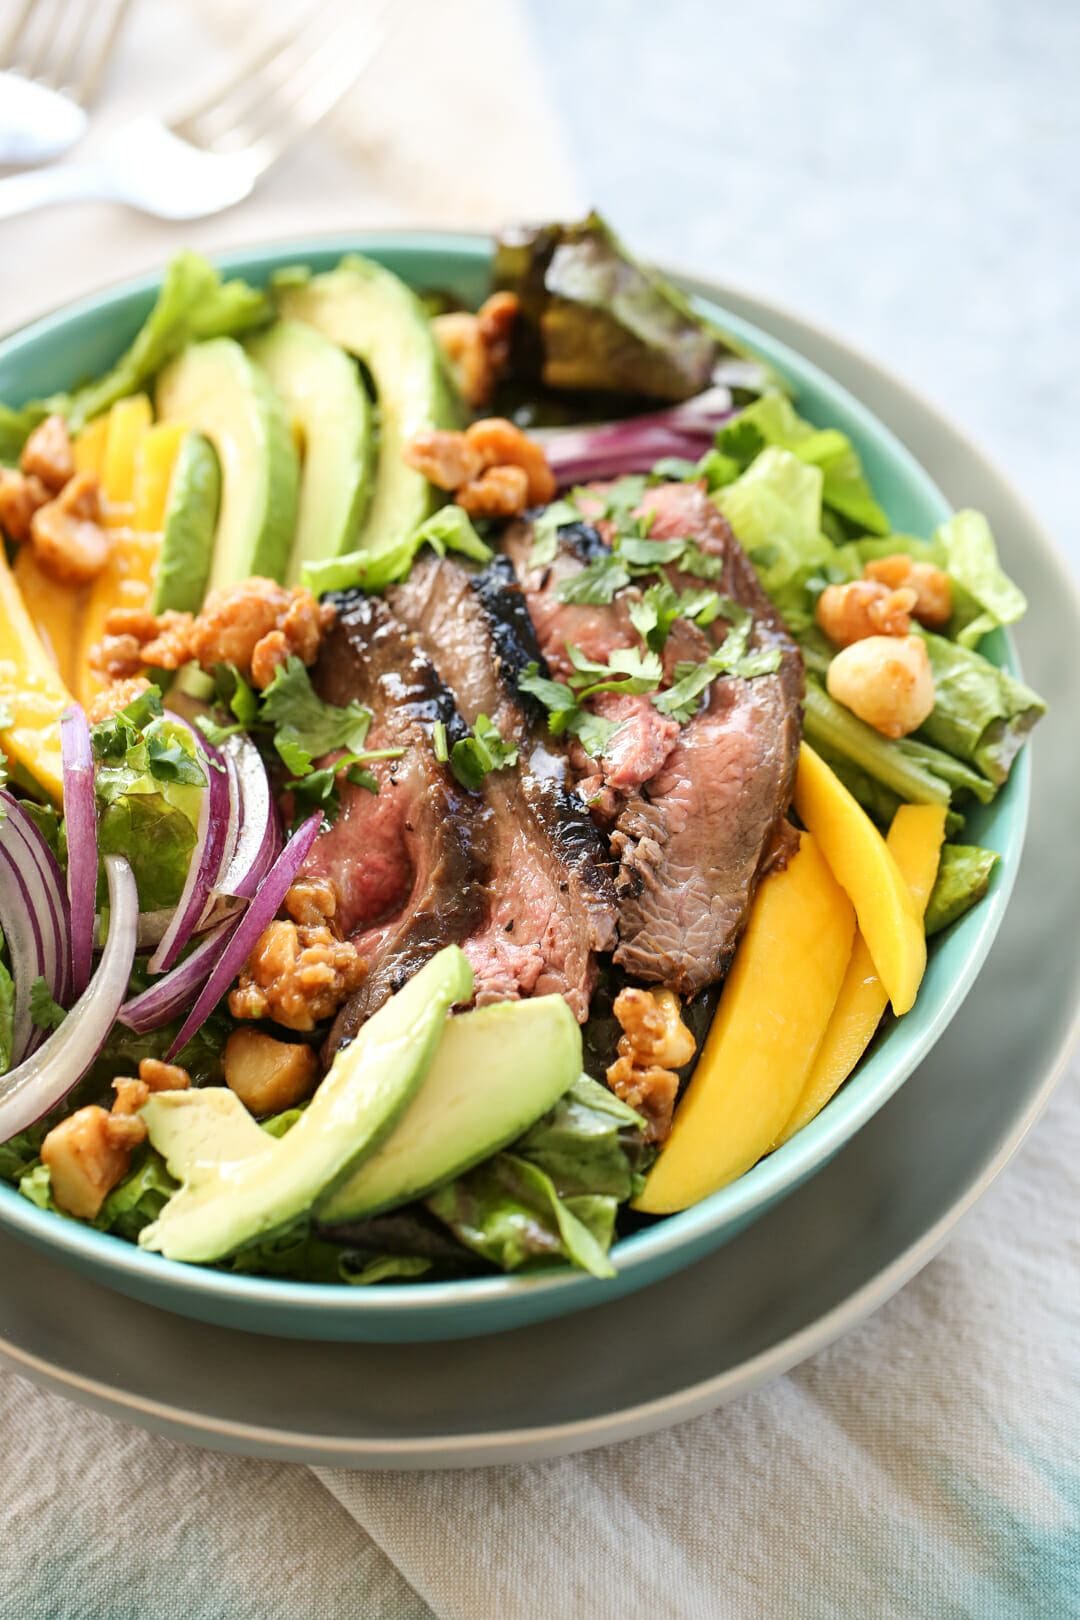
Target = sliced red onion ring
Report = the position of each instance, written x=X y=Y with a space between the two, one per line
x=34 y=918
x=261 y=911
x=214 y=816
x=171 y=995
x=40 y=1082
x=258 y=842
x=80 y=820
x=635 y=444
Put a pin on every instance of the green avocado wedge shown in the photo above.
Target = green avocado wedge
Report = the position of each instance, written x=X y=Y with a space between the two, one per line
x=187 y=540
x=215 y=389
x=240 y=1185
x=370 y=312
x=497 y=1070
x=321 y=389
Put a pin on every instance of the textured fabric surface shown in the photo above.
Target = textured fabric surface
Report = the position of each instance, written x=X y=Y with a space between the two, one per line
x=926 y=1465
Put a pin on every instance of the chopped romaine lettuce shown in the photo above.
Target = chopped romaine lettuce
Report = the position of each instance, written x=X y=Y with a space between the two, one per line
x=981 y=713
x=963 y=878
x=774 y=508
x=193 y=303
x=448 y=529
x=987 y=597
x=773 y=420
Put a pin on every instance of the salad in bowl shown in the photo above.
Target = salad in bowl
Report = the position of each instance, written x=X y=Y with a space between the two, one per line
x=478 y=779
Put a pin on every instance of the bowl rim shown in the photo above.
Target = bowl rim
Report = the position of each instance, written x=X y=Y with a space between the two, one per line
x=775 y=1175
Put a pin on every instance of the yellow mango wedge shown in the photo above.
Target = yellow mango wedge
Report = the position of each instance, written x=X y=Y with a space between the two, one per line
x=772 y=1016
x=128 y=421
x=866 y=869
x=88 y=446
x=915 y=839
x=55 y=612
x=139 y=464
x=31 y=690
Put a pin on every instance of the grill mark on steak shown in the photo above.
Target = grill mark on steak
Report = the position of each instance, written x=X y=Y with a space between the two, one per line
x=699 y=811
x=411 y=862
x=694 y=845
x=552 y=901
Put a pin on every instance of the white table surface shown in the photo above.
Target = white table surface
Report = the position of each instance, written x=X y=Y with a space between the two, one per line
x=907 y=175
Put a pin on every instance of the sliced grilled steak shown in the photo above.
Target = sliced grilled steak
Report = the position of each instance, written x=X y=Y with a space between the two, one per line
x=410 y=862
x=552 y=901
x=694 y=839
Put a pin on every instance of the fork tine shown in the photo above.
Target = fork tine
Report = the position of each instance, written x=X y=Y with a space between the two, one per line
x=315 y=90
x=196 y=122
x=10 y=41
x=108 y=31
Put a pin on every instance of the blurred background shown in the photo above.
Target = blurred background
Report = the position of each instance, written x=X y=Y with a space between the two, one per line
x=908 y=175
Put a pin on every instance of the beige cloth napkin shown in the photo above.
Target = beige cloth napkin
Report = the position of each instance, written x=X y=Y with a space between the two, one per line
x=451 y=126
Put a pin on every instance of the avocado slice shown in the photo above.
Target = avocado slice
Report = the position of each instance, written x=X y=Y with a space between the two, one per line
x=371 y=313
x=497 y=1070
x=217 y=390
x=321 y=389
x=187 y=538
x=239 y=1185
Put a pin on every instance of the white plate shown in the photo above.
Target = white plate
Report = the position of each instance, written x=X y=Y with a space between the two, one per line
x=809 y=1270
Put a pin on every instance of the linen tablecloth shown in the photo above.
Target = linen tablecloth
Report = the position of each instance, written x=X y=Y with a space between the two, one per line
x=927 y=1465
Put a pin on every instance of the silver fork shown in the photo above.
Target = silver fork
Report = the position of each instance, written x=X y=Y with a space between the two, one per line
x=52 y=58
x=211 y=157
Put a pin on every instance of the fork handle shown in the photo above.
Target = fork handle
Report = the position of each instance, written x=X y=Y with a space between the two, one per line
x=68 y=182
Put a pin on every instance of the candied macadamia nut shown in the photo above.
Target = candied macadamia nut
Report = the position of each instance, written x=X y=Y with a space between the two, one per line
x=886 y=681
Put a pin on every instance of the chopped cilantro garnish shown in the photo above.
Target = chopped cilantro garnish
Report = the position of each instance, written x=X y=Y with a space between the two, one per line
x=597 y=583
x=661 y=605
x=438 y=742
x=448 y=529
x=732 y=657
x=304 y=726
x=318 y=790
x=472 y=757
x=627 y=670
x=138 y=739
x=45 y=1012
x=742 y=440
x=558 y=515
x=633 y=557
x=565 y=714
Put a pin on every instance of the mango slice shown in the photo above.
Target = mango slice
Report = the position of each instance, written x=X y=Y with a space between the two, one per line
x=89 y=446
x=867 y=871
x=55 y=612
x=139 y=461
x=915 y=839
x=772 y=1016
x=31 y=691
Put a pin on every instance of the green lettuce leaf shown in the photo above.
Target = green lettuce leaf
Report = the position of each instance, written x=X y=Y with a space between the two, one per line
x=981 y=713
x=139 y=1198
x=155 y=835
x=19 y=1153
x=774 y=508
x=448 y=529
x=510 y=1212
x=987 y=598
x=193 y=303
x=963 y=878
x=774 y=421
x=590 y=1142
x=304 y=1256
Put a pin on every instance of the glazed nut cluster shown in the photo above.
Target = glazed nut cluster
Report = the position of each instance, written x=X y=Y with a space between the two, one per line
x=255 y=625
x=53 y=508
x=882 y=672
x=654 y=1044
x=477 y=347
x=493 y=469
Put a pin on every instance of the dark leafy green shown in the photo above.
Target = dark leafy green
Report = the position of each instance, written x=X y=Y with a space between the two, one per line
x=45 y=1012
x=981 y=713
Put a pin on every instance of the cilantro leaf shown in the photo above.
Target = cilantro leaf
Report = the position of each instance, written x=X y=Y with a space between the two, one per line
x=661 y=605
x=45 y=1012
x=471 y=758
x=545 y=547
x=318 y=790
x=627 y=670
x=305 y=726
x=742 y=440
x=650 y=554
x=564 y=714
x=167 y=758
x=701 y=564
x=596 y=583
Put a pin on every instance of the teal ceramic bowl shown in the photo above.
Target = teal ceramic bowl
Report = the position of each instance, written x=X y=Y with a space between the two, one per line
x=84 y=339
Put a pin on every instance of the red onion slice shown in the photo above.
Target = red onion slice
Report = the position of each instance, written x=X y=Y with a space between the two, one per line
x=171 y=995
x=34 y=918
x=259 y=839
x=80 y=820
x=205 y=857
x=261 y=911
x=43 y=1080
x=577 y=455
